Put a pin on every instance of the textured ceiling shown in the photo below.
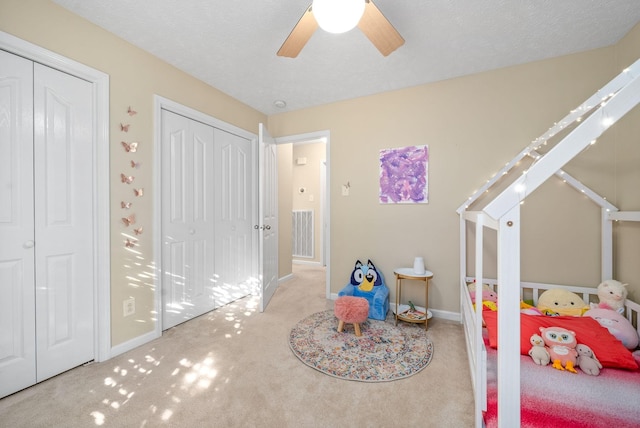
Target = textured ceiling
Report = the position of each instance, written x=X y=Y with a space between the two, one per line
x=232 y=44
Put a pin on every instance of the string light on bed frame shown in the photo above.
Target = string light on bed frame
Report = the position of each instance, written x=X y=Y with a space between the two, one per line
x=575 y=115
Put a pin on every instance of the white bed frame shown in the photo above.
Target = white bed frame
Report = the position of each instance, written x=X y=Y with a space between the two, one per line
x=528 y=290
x=502 y=214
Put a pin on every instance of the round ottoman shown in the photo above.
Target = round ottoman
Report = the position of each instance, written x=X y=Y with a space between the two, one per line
x=351 y=310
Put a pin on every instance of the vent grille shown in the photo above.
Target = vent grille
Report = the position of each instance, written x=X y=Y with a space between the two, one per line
x=302 y=236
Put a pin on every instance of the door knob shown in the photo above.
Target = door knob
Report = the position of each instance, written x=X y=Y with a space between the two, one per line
x=267 y=227
x=29 y=244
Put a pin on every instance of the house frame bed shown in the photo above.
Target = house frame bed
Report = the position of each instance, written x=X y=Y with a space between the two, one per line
x=502 y=214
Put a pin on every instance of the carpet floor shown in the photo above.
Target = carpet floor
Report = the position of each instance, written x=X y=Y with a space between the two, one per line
x=233 y=368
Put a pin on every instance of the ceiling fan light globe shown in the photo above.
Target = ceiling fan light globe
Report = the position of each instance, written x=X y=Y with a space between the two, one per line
x=337 y=16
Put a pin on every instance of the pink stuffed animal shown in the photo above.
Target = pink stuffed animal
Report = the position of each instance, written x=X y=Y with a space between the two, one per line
x=487 y=296
x=561 y=346
x=618 y=326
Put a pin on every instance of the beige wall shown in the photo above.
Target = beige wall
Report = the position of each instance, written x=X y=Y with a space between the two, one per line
x=135 y=77
x=308 y=177
x=626 y=195
x=473 y=126
x=285 y=203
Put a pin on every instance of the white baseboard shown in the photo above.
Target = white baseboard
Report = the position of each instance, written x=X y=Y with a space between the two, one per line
x=446 y=315
x=133 y=343
x=305 y=262
x=285 y=278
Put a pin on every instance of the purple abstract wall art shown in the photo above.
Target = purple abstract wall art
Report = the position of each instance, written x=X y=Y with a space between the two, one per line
x=404 y=175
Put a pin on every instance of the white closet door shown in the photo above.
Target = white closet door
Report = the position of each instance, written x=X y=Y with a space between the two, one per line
x=46 y=226
x=234 y=177
x=187 y=219
x=63 y=170
x=17 y=280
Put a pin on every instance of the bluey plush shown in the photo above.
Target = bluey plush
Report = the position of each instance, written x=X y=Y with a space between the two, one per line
x=367 y=281
x=365 y=277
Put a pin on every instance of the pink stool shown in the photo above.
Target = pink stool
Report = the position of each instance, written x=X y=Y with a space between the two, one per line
x=351 y=310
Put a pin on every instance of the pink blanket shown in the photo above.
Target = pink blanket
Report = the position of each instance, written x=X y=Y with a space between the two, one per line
x=553 y=398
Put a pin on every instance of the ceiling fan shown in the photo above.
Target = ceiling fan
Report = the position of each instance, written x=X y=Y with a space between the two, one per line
x=368 y=18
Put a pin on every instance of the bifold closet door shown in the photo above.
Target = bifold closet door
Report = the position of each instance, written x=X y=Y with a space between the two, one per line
x=187 y=219
x=46 y=226
x=17 y=237
x=63 y=187
x=234 y=204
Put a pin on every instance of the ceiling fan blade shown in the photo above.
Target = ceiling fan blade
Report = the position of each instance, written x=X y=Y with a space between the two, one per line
x=379 y=30
x=300 y=35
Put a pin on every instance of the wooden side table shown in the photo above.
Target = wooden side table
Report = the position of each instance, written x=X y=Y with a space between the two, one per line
x=408 y=273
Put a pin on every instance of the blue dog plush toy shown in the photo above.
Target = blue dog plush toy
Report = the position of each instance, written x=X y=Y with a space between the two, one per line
x=368 y=282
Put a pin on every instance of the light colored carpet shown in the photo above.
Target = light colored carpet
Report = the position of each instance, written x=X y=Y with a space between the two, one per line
x=233 y=368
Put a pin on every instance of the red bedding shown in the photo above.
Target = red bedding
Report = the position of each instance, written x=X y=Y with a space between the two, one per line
x=606 y=347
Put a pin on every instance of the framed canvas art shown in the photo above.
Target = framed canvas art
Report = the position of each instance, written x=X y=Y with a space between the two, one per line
x=404 y=175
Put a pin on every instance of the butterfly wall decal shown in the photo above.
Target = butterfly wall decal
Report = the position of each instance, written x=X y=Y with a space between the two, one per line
x=127 y=178
x=135 y=164
x=138 y=231
x=124 y=128
x=130 y=243
x=125 y=205
x=138 y=192
x=130 y=147
x=128 y=221
x=131 y=111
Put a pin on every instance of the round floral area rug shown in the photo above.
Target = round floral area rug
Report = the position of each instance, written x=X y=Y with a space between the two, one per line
x=383 y=353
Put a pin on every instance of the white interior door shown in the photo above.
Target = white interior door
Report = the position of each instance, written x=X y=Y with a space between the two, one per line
x=187 y=219
x=234 y=206
x=268 y=229
x=46 y=223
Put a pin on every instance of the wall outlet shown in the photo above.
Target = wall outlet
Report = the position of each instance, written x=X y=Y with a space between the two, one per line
x=129 y=307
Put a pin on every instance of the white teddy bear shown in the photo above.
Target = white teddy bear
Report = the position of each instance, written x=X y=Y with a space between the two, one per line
x=613 y=294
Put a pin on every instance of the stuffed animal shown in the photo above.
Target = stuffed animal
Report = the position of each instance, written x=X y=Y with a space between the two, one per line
x=557 y=301
x=487 y=296
x=561 y=344
x=368 y=282
x=613 y=294
x=526 y=308
x=472 y=287
x=365 y=277
x=617 y=325
x=538 y=352
x=587 y=360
